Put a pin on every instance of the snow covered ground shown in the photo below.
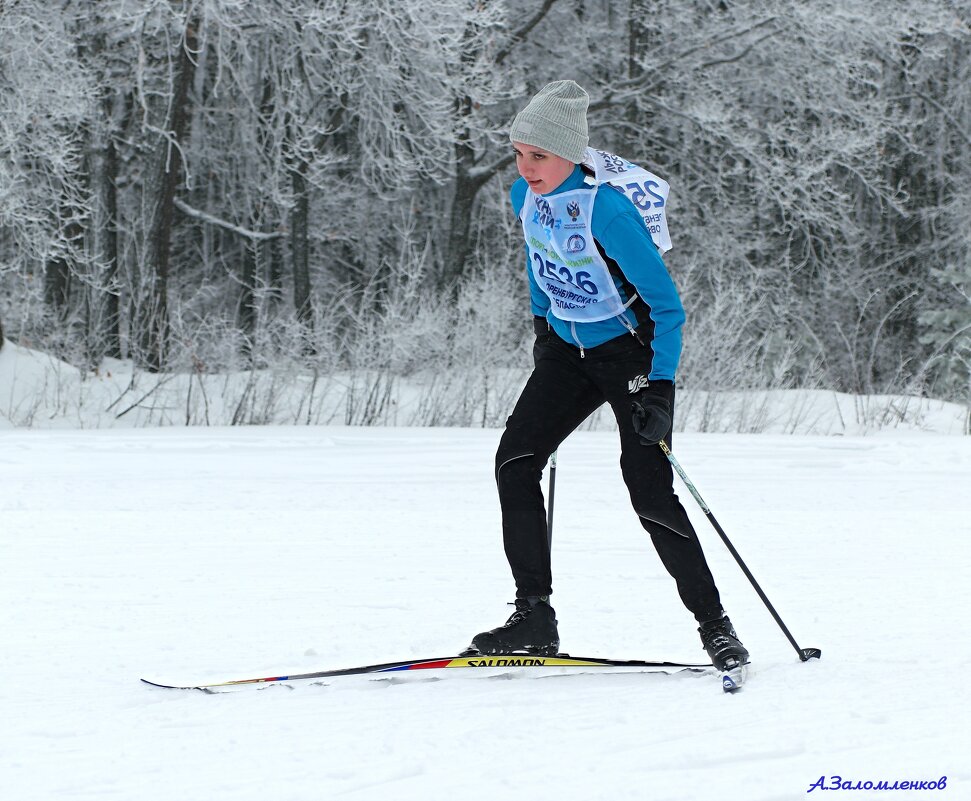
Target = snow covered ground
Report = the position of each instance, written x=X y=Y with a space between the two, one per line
x=39 y=391
x=219 y=553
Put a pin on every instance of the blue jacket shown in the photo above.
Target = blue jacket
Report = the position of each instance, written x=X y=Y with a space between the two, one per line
x=636 y=267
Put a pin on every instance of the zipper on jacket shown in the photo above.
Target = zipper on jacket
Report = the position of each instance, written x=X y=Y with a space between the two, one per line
x=626 y=322
x=623 y=319
x=629 y=327
x=573 y=330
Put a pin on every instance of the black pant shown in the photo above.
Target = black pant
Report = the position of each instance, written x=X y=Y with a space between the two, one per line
x=563 y=390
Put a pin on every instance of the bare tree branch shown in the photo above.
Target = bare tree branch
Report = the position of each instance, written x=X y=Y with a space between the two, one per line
x=732 y=59
x=680 y=57
x=259 y=236
x=518 y=36
x=946 y=114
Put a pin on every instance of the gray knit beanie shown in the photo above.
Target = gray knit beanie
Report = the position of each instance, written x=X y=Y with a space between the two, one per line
x=555 y=120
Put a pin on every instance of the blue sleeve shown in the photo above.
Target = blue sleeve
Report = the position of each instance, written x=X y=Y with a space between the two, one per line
x=517 y=194
x=625 y=238
x=539 y=302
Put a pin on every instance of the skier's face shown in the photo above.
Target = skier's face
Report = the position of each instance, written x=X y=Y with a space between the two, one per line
x=543 y=171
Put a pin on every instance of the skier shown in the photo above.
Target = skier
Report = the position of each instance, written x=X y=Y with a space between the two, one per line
x=607 y=319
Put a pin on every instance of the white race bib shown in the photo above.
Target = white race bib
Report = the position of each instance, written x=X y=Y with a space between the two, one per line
x=644 y=189
x=564 y=259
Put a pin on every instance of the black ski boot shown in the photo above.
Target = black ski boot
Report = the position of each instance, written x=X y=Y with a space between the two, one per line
x=531 y=629
x=719 y=639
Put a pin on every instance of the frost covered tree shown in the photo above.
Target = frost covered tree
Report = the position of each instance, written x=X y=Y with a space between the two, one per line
x=200 y=184
x=45 y=98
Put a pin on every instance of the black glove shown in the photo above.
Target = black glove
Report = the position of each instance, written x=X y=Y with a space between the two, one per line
x=540 y=327
x=651 y=414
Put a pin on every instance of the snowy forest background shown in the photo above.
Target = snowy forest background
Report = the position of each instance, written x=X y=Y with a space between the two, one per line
x=293 y=190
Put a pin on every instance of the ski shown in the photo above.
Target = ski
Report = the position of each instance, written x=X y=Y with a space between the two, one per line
x=452 y=662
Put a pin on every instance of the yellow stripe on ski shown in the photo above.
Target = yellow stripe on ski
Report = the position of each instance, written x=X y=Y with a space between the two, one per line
x=514 y=660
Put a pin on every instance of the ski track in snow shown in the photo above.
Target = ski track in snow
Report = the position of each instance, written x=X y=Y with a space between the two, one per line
x=216 y=554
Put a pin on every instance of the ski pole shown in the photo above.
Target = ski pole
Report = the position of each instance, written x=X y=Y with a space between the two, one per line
x=549 y=512
x=804 y=653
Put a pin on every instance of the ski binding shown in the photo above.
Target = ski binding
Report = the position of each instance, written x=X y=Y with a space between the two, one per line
x=733 y=677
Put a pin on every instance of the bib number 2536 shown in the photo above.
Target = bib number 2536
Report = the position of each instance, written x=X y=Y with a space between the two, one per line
x=563 y=275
